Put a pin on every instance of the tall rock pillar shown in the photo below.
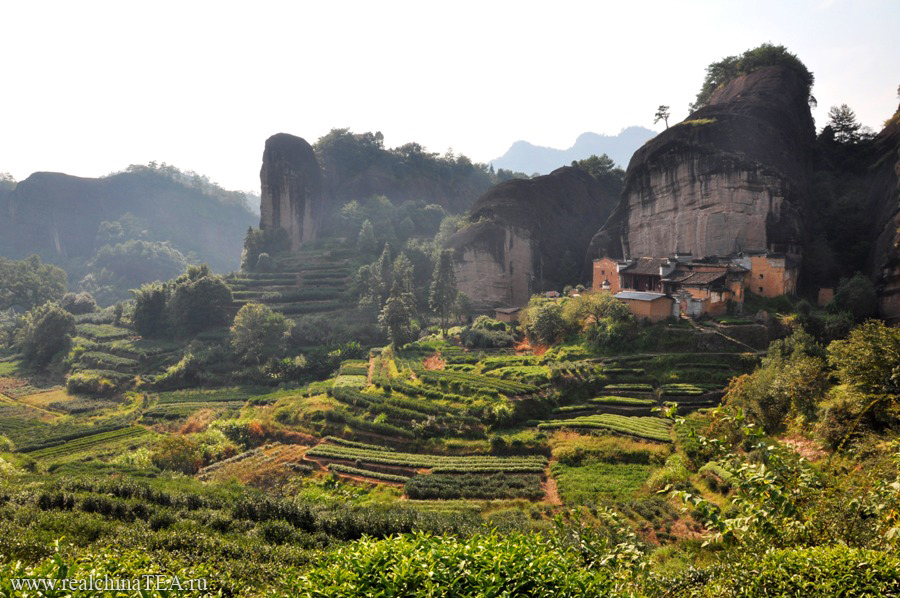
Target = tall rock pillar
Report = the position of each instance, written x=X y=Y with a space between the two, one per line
x=291 y=189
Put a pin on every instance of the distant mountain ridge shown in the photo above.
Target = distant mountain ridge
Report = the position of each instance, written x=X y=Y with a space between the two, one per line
x=526 y=157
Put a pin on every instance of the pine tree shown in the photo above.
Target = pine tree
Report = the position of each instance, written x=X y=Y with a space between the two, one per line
x=443 y=289
x=842 y=121
x=366 y=243
x=397 y=314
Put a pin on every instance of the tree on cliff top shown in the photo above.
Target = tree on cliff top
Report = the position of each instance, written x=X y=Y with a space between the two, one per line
x=602 y=168
x=731 y=67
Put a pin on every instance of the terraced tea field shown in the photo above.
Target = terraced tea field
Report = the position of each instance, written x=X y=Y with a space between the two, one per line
x=437 y=463
x=651 y=428
x=96 y=445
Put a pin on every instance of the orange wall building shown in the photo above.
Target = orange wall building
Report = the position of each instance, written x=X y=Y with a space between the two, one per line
x=772 y=275
x=606 y=270
x=650 y=306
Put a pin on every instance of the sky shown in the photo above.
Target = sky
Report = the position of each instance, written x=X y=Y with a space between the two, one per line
x=90 y=87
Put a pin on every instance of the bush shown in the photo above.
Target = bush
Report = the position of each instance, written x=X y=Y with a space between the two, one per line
x=90 y=384
x=480 y=338
x=78 y=304
x=482 y=565
x=178 y=453
x=264 y=263
x=821 y=571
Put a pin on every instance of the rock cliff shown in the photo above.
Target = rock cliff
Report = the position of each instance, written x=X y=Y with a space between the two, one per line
x=526 y=236
x=291 y=189
x=732 y=177
x=884 y=194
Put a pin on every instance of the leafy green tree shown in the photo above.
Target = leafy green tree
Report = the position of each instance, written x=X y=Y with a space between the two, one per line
x=403 y=275
x=856 y=296
x=722 y=72
x=397 y=315
x=869 y=359
x=7 y=181
x=842 y=121
x=366 y=244
x=29 y=283
x=545 y=322
x=443 y=293
x=130 y=264
x=47 y=330
x=602 y=168
x=200 y=300
x=149 y=317
x=258 y=241
x=789 y=383
x=662 y=114
x=376 y=280
x=258 y=333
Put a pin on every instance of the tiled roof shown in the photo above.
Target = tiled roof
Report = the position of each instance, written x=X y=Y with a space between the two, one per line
x=640 y=296
x=646 y=266
x=696 y=278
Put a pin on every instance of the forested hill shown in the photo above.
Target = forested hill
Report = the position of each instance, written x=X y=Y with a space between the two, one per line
x=68 y=220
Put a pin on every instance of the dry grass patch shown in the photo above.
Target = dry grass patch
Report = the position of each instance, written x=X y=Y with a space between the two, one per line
x=44 y=399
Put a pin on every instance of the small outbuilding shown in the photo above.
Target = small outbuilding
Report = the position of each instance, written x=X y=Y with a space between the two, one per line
x=507 y=314
x=646 y=305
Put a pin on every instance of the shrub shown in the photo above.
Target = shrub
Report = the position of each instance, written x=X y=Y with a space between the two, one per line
x=178 y=453
x=821 y=571
x=482 y=565
x=90 y=384
x=78 y=303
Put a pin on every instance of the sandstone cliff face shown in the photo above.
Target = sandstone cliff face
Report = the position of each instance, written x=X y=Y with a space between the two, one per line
x=526 y=236
x=291 y=189
x=733 y=177
x=884 y=263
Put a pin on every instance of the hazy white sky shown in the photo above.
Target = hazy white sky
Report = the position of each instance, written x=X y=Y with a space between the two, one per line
x=90 y=87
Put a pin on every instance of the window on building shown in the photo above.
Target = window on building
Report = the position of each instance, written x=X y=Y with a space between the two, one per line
x=760 y=290
x=760 y=276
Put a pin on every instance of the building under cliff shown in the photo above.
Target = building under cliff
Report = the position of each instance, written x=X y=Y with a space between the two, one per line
x=704 y=286
x=734 y=177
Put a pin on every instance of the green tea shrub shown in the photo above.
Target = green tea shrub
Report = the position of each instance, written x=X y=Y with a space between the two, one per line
x=513 y=564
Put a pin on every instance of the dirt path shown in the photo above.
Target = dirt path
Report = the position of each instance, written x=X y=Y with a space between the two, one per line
x=551 y=494
x=371 y=374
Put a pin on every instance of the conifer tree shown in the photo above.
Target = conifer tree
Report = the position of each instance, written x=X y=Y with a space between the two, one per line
x=443 y=289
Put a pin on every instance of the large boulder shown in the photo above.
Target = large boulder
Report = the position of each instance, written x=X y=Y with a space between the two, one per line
x=528 y=235
x=291 y=189
x=734 y=176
